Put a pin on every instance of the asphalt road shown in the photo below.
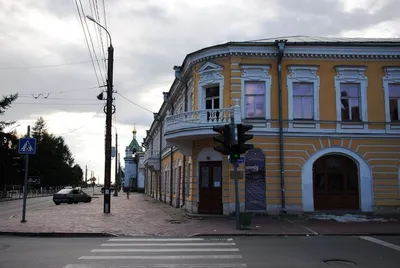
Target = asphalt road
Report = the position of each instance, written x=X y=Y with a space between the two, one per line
x=13 y=208
x=161 y=252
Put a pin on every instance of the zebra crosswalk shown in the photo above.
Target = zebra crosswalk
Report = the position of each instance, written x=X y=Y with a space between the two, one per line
x=144 y=252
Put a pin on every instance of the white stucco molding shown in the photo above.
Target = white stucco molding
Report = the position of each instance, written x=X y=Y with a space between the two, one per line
x=392 y=76
x=364 y=178
x=260 y=73
x=303 y=74
x=210 y=75
x=351 y=74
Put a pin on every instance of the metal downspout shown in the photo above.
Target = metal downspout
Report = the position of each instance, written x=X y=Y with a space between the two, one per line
x=281 y=48
x=171 y=168
x=161 y=135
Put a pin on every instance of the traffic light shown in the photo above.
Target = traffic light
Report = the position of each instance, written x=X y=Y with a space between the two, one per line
x=224 y=138
x=243 y=137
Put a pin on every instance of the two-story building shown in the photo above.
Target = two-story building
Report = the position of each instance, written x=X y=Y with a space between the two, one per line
x=325 y=123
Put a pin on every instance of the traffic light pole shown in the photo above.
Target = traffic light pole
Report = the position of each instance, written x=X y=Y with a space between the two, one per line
x=28 y=134
x=237 y=202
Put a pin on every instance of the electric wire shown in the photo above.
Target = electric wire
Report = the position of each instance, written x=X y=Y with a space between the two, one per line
x=87 y=43
x=91 y=42
x=44 y=66
x=134 y=103
x=86 y=123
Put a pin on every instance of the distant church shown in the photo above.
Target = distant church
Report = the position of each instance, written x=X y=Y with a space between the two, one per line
x=134 y=168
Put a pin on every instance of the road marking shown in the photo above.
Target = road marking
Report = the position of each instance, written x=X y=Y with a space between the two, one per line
x=216 y=265
x=380 y=242
x=159 y=239
x=165 y=244
x=165 y=250
x=160 y=257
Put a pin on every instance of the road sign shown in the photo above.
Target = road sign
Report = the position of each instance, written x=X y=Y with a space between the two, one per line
x=27 y=146
x=240 y=160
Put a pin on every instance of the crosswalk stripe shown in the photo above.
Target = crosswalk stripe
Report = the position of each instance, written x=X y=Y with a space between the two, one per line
x=165 y=250
x=160 y=239
x=160 y=257
x=164 y=244
x=216 y=265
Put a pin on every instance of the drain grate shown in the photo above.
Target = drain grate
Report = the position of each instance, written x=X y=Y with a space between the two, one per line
x=339 y=263
x=217 y=239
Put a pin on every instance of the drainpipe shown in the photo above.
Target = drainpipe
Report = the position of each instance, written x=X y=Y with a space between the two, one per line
x=161 y=135
x=171 y=167
x=178 y=75
x=281 y=48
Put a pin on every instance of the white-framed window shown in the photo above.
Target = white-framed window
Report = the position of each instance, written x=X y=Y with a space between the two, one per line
x=391 y=87
x=303 y=101
x=303 y=85
x=351 y=96
x=256 y=91
x=254 y=97
x=394 y=101
x=210 y=76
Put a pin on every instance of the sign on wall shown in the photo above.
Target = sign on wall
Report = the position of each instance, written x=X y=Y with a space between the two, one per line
x=255 y=196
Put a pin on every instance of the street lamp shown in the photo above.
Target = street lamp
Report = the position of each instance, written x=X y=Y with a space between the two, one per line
x=109 y=110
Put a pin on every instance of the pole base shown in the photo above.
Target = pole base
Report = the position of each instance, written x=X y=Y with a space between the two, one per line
x=22 y=221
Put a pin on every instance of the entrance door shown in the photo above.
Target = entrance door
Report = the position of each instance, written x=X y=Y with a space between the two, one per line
x=335 y=183
x=210 y=187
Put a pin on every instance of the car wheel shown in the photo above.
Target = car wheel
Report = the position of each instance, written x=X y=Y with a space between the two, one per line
x=88 y=200
x=57 y=204
x=70 y=201
x=76 y=202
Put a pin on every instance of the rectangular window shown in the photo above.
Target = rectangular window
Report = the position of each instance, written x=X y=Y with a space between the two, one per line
x=303 y=101
x=394 y=101
x=350 y=101
x=255 y=99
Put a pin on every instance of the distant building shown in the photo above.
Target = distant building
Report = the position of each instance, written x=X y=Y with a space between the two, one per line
x=326 y=127
x=134 y=168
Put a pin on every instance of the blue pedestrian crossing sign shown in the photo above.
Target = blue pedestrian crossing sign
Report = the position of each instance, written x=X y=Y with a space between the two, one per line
x=27 y=146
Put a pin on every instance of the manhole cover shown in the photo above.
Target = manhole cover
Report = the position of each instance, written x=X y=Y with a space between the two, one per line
x=4 y=246
x=339 y=263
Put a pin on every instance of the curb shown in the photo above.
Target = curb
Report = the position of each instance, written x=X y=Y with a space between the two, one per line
x=56 y=234
x=292 y=234
x=252 y=234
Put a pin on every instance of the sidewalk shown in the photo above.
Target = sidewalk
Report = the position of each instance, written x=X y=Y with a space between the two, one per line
x=144 y=216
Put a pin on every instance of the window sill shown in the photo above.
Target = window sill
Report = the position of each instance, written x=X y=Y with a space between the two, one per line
x=303 y=123
x=352 y=125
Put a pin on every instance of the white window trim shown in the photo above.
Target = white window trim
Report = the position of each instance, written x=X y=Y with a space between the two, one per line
x=392 y=76
x=351 y=74
x=303 y=74
x=251 y=73
x=210 y=75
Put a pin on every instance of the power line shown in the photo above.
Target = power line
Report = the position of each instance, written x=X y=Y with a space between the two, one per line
x=56 y=92
x=134 y=103
x=91 y=41
x=97 y=113
x=51 y=98
x=52 y=103
x=87 y=43
x=45 y=66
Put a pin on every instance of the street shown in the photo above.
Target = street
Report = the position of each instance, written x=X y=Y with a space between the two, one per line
x=162 y=252
x=13 y=208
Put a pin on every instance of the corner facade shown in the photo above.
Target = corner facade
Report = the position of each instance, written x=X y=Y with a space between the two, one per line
x=326 y=127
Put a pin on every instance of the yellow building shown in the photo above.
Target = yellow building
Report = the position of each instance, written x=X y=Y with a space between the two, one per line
x=326 y=127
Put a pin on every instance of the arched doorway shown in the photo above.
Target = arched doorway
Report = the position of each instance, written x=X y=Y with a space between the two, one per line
x=335 y=183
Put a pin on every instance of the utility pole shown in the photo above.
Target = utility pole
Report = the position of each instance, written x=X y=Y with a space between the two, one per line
x=86 y=174
x=116 y=184
x=109 y=110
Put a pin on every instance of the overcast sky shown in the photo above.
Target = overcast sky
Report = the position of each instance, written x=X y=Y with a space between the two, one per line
x=46 y=60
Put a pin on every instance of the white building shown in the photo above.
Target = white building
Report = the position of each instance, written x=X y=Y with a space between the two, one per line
x=134 y=174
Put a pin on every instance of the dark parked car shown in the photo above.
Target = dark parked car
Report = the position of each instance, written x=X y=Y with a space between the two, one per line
x=71 y=196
